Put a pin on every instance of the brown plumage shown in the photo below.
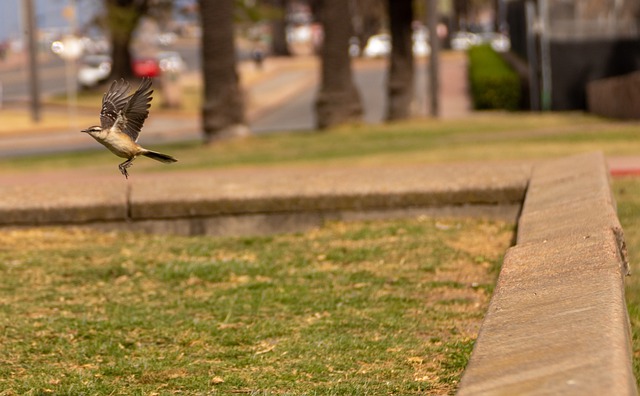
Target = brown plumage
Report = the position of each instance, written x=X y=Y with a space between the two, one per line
x=121 y=119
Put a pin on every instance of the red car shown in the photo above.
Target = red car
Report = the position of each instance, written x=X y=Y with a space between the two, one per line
x=146 y=67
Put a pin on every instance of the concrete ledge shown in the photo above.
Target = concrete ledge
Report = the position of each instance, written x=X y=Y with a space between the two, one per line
x=60 y=202
x=206 y=201
x=279 y=190
x=278 y=222
x=557 y=322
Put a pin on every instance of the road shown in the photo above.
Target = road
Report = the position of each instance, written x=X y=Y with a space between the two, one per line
x=52 y=73
x=370 y=78
x=292 y=116
x=15 y=81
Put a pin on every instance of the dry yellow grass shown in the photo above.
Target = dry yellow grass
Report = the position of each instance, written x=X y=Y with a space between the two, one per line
x=18 y=121
x=380 y=307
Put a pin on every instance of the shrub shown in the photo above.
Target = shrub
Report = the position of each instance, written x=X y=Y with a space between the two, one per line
x=494 y=84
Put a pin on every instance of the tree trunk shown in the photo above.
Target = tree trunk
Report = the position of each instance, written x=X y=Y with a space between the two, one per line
x=122 y=63
x=338 y=101
x=401 y=70
x=279 y=46
x=223 y=108
x=460 y=11
x=122 y=20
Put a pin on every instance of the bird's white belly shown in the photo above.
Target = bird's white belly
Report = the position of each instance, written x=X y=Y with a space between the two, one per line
x=119 y=144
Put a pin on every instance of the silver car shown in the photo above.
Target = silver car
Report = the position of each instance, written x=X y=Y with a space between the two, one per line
x=93 y=69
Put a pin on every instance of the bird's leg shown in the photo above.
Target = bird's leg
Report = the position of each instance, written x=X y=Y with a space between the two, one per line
x=123 y=167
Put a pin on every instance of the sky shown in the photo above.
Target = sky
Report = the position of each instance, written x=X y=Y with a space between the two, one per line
x=49 y=14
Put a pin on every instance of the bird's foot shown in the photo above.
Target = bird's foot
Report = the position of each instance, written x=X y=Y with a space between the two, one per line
x=123 y=168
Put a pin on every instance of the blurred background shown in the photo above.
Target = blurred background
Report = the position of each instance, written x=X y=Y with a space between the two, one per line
x=257 y=66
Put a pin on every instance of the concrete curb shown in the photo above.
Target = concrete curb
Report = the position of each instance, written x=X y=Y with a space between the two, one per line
x=557 y=322
x=196 y=201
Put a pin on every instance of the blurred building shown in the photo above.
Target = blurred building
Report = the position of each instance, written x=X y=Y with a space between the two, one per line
x=572 y=42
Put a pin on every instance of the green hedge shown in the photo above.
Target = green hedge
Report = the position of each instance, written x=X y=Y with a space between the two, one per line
x=494 y=85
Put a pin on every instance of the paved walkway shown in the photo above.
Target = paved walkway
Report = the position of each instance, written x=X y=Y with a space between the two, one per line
x=624 y=166
x=327 y=191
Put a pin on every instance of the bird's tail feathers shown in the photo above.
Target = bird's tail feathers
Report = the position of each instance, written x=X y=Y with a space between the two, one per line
x=167 y=159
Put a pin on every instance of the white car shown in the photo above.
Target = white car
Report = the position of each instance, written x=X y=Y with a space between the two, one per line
x=500 y=43
x=421 y=47
x=170 y=61
x=299 y=34
x=462 y=41
x=167 y=38
x=377 y=46
x=93 y=69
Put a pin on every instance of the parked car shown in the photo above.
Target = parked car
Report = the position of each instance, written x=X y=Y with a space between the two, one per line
x=462 y=41
x=378 y=45
x=421 y=47
x=299 y=34
x=93 y=69
x=95 y=45
x=167 y=38
x=170 y=61
x=498 y=41
x=146 y=67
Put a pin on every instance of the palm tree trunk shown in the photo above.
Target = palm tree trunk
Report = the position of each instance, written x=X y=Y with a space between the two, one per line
x=279 y=45
x=223 y=108
x=338 y=101
x=121 y=55
x=401 y=70
x=122 y=19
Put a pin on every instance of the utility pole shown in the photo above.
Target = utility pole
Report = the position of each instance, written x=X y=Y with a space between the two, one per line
x=71 y=53
x=434 y=67
x=31 y=31
x=532 y=56
x=545 y=56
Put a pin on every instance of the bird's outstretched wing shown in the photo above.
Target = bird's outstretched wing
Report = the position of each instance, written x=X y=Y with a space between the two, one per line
x=128 y=111
x=113 y=102
x=136 y=109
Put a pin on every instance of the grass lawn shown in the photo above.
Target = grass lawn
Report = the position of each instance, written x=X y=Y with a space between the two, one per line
x=385 y=307
x=627 y=193
x=16 y=122
x=492 y=136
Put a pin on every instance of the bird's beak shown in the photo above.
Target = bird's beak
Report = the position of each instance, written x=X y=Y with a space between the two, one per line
x=85 y=131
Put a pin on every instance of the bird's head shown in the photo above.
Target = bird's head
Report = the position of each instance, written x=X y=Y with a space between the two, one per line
x=92 y=129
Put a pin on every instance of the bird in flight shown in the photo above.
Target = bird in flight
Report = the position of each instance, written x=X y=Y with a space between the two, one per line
x=121 y=119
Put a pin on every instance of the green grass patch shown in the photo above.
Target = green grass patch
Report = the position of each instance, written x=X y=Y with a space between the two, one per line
x=483 y=137
x=627 y=193
x=346 y=309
